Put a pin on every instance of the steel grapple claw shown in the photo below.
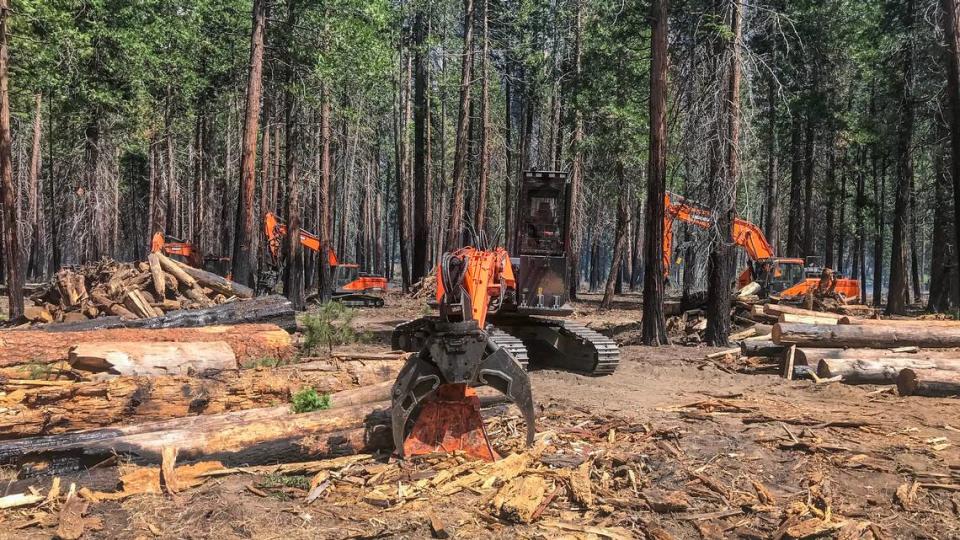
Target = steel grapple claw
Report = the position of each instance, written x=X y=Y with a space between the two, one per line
x=437 y=384
x=501 y=371
x=418 y=381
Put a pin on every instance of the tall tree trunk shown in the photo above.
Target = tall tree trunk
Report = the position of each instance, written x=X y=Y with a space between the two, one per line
x=52 y=192
x=879 y=195
x=806 y=248
x=455 y=224
x=897 y=295
x=421 y=180
x=724 y=195
x=772 y=219
x=34 y=264
x=324 y=285
x=158 y=192
x=951 y=22
x=293 y=285
x=939 y=298
x=399 y=136
x=794 y=225
x=620 y=235
x=842 y=225
x=914 y=244
x=654 y=327
x=483 y=169
x=8 y=193
x=830 y=225
x=244 y=230
x=576 y=167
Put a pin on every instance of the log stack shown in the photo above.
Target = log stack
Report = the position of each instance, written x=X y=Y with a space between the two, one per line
x=141 y=290
x=920 y=356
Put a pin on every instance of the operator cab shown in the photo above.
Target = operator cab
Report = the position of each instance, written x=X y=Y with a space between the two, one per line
x=542 y=241
x=776 y=275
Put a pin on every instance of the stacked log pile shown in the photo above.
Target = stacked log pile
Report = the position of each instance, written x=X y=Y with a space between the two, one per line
x=921 y=357
x=142 y=290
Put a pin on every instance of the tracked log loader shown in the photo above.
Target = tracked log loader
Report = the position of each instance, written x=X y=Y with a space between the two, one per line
x=498 y=315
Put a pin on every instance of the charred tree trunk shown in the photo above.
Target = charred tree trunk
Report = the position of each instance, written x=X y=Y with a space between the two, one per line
x=939 y=299
x=830 y=224
x=421 y=152
x=806 y=246
x=879 y=195
x=841 y=226
x=951 y=21
x=400 y=167
x=8 y=193
x=653 y=322
x=455 y=224
x=897 y=294
x=243 y=232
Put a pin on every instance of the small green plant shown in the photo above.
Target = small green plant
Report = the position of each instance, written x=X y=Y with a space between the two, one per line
x=331 y=325
x=38 y=371
x=309 y=400
x=266 y=361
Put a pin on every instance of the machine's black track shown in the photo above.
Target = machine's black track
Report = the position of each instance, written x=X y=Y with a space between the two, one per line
x=607 y=351
x=512 y=344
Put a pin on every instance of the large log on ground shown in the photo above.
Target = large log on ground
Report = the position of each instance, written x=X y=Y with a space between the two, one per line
x=775 y=310
x=265 y=309
x=165 y=358
x=923 y=323
x=882 y=370
x=43 y=410
x=254 y=436
x=249 y=342
x=928 y=382
x=811 y=356
x=864 y=336
x=217 y=283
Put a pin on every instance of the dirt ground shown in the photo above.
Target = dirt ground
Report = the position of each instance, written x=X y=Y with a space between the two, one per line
x=750 y=455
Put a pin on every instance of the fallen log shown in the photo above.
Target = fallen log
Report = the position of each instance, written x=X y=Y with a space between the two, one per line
x=775 y=310
x=166 y=358
x=878 y=370
x=863 y=336
x=928 y=382
x=761 y=348
x=805 y=319
x=266 y=309
x=811 y=356
x=251 y=437
x=42 y=346
x=922 y=323
x=218 y=283
x=123 y=400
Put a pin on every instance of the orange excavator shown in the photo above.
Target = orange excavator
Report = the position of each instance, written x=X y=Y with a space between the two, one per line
x=351 y=287
x=185 y=251
x=496 y=315
x=782 y=277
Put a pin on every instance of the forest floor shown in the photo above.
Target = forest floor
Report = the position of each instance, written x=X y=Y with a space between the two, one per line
x=675 y=445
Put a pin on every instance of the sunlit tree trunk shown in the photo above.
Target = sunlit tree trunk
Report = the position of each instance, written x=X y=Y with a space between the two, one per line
x=459 y=180
x=8 y=193
x=244 y=230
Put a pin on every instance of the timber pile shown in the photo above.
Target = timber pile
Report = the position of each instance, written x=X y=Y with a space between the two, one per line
x=921 y=357
x=143 y=290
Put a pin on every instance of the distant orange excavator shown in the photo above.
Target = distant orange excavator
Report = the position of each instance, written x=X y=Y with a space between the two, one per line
x=783 y=277
x=184 y=251
x=351 y=287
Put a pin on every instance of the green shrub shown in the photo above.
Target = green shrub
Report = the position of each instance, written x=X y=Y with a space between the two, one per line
x=266 y=361
x=330 y=325
x=308 y=400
